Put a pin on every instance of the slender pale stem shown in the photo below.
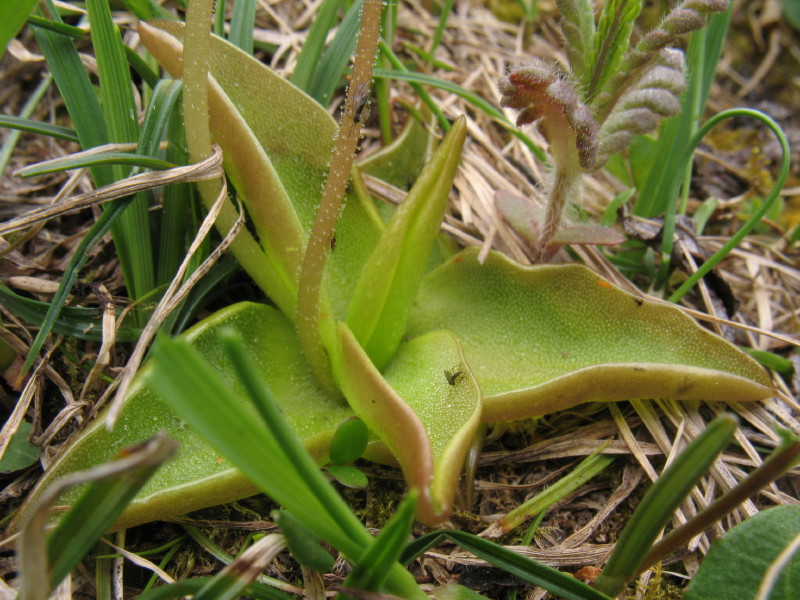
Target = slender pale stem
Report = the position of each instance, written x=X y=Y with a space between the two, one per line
x=196 y=49
x=195 y=79
x=565 y=177
x=312 y=324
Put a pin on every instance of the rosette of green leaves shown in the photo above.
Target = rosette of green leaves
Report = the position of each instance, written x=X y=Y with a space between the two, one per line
x=426 y=348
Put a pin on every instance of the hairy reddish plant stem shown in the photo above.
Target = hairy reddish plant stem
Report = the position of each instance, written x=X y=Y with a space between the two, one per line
x=316 y=327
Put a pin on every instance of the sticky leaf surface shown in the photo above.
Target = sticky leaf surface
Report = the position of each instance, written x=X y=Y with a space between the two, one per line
x=541 y=339
x=197 y=476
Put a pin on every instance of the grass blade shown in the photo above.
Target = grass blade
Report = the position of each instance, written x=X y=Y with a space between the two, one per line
x=335 y=59
x=754 y=220
x=242 y=24
x=57 y=27
x=130 y=159
x=94 y=235
x=132 y=237
x=188 y=587
x=38 y=127
x=447 y=6
x=661 y=501
x=656 y=196
x=114 y=485
x=162 y=114
x=148 y=9
x=78 y=322
x=781 y=460
x=78 y=94
x=83 y=107
x=229 y=583
x=310 y=55
x=141 y=67
x=297 y=456
x=371 y=570
x=178 y=204
x=23 y=123
x=417 y=79
x=589 y=467
x=556 y=582
x=303 y=545
x=12 y=17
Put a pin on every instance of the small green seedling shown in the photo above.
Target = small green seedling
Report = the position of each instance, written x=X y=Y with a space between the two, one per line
x=349 y=443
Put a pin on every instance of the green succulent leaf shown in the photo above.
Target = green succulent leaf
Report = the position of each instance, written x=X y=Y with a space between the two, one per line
x=277 y=143
x=20 y=453
x=390 y=279
x=349 y=442
x=348 y=475
x=542 y=339
x=759 y=558
x=247 y=162
x=425 y=408
x=197 y=476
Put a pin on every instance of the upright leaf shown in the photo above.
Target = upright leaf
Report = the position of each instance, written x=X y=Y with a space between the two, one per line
x=247 y=162
x=612 y=40
x=577 y=23
x=425 y=410
x=12 y=17
x=390 y=279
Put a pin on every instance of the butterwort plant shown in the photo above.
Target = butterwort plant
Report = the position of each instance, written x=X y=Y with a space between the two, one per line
x=612 y=91
x=420 y=341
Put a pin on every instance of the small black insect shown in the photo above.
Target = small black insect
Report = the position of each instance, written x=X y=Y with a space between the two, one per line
x=360 y=110
x=361 y=102
x=333 y=243
x=452 y=376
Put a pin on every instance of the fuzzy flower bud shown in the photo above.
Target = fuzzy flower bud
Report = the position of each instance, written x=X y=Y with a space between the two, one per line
x=564 y=121
x=686 y=17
